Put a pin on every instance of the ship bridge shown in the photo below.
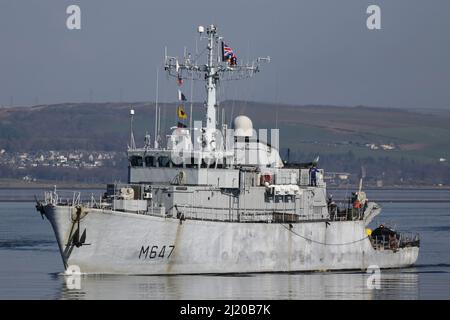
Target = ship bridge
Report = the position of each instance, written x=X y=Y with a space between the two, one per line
x=207 y=170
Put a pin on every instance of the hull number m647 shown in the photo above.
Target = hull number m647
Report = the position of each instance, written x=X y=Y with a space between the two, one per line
x=156 y=252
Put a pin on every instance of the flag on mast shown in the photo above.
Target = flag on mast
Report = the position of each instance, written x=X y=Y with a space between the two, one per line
x=227 y=52
x=181 y=113
x=181 y=96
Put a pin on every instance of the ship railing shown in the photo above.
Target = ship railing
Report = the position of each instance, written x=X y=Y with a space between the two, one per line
x=347 y=214
x=409 y=240
x=383 y=243
x=50 y=197
x=100 y=203
x=76 y=198
x=345 y=211
x=256 y=217
x=187 y=211
x=395 y=242
x=62 y=198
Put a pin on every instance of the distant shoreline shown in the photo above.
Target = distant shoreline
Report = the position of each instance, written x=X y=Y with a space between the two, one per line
x=19 y=184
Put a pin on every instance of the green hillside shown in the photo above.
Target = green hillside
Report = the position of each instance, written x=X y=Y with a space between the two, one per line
x=346 y=138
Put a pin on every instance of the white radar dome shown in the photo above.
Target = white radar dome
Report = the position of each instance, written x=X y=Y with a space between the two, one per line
x=243 y=126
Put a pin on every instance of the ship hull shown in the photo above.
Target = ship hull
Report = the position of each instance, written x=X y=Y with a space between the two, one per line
x=127 y=243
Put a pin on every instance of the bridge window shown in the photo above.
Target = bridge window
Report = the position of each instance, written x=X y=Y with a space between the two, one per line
x=177 y=165
x=164 y=161
x=136 y=161
x=150 y=161
x=192 y=163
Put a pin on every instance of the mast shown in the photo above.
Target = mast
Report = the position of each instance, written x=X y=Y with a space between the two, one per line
x=212 y=72
x=156 y=110
x=211 y=103
x=132 y=142
x=191 y=105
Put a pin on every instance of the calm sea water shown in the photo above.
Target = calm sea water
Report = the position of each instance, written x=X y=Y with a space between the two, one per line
x=30 y=265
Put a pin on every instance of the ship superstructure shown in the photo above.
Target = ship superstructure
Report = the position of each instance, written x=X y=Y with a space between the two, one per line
x=215 y=199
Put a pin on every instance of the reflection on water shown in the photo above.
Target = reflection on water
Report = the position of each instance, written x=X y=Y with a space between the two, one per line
x=394 y=285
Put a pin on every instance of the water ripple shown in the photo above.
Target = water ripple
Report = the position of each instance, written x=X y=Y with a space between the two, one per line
x=27 y=244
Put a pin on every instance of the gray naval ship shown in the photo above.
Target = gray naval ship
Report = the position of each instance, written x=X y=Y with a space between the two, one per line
x=214 y=199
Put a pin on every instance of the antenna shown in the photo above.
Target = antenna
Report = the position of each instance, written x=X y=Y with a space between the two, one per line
x=222 y=122
x=156 y=109
x=132 y=142
x=276 y=101
x=362 y=176
x=191 y=107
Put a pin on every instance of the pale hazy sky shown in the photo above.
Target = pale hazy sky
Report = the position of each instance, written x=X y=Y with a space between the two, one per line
x=321 y=50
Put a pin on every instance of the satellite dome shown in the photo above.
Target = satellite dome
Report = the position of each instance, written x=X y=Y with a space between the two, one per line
x=243 y=126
